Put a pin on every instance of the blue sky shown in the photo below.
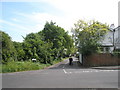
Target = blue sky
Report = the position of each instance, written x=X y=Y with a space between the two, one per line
x=21 y=18
x=16 y=17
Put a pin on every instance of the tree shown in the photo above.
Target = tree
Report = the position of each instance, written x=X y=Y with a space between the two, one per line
x=60 y=39
x=8 y=50
x=31 y=46
x=88 y=34
x=19 y=51
x=52 y=43
x=35 y=47
x=69 y=44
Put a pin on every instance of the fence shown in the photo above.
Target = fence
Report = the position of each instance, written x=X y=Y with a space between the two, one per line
x=102 y=59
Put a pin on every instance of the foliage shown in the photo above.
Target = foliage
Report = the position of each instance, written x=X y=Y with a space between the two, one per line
x=116 y=53
x=8 y=50
x=19 y=51
x=35 y=47
x=69 y=44
x=60 y=39
x=16 y=66
x=48 y=46
x=88 y=35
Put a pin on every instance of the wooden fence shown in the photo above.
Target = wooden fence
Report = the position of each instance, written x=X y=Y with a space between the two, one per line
x=102 y=59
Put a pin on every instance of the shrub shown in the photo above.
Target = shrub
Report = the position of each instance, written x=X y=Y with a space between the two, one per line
x=19 y=66
x=116 y=53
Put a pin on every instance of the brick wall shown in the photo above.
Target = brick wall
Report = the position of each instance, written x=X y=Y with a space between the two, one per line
x=103 y=59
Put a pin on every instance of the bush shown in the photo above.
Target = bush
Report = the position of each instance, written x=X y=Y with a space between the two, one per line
x=116 y=53
x=19 y=66
x=16 y=66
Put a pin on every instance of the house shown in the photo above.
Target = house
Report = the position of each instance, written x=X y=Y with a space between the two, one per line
x=111 y=40
x=117 y=40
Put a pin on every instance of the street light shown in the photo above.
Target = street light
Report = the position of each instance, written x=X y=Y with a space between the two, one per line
x=112 y=27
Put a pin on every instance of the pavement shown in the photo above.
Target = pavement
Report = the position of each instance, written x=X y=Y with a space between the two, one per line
x=107 y=67
x=62 y=75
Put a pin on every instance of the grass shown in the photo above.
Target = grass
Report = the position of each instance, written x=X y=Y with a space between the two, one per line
x=17 y=66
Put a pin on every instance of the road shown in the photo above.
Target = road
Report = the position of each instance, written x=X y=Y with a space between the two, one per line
x=62 y=76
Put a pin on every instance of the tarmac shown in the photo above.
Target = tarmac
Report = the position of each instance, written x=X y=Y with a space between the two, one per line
x=77 y=65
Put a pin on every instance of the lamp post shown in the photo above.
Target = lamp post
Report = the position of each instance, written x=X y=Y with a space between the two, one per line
x=112 y=27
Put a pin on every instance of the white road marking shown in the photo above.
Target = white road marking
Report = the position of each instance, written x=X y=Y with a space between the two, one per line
x=84 y=71
x=88 y=71
x=96 y=71
x=64 y=71
x=64 y=67
x=70 y=72
x=107 y=70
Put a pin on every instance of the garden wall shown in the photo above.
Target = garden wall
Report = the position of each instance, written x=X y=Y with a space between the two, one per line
x=102 y=59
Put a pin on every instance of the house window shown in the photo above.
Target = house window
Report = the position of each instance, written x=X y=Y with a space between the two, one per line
x=102 y=49
x=107 y=49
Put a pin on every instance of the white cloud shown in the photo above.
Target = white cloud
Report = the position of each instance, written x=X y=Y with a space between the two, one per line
x=102 y=10
x=39 y=20
x=14 y=26
x=105 y=11
x=15 y=20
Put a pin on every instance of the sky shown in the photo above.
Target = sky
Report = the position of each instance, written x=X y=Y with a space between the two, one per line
x=21 y=17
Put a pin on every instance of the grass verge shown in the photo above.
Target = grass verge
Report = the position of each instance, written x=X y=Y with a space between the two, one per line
x=17 y=66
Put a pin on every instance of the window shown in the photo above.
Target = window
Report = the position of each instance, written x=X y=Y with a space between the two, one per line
x=101 y=49
x=107 y=49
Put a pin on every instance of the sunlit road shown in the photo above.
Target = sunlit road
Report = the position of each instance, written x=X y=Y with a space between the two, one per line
x=62 y=76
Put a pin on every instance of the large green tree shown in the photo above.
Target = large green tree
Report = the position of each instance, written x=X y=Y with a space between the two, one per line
x=19 y=51
x=51 y=43
x=8 y=50
x=31 y=45
x=35 y=47
x=60 y=39
x=69 y=44
x=87 y=35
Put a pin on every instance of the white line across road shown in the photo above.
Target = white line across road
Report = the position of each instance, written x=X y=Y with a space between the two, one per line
x=86 y=71
x=64 y=67
x=69 y=70
x=64 y=71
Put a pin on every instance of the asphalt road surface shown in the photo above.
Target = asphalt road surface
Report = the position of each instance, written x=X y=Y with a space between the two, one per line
x=62 y=75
